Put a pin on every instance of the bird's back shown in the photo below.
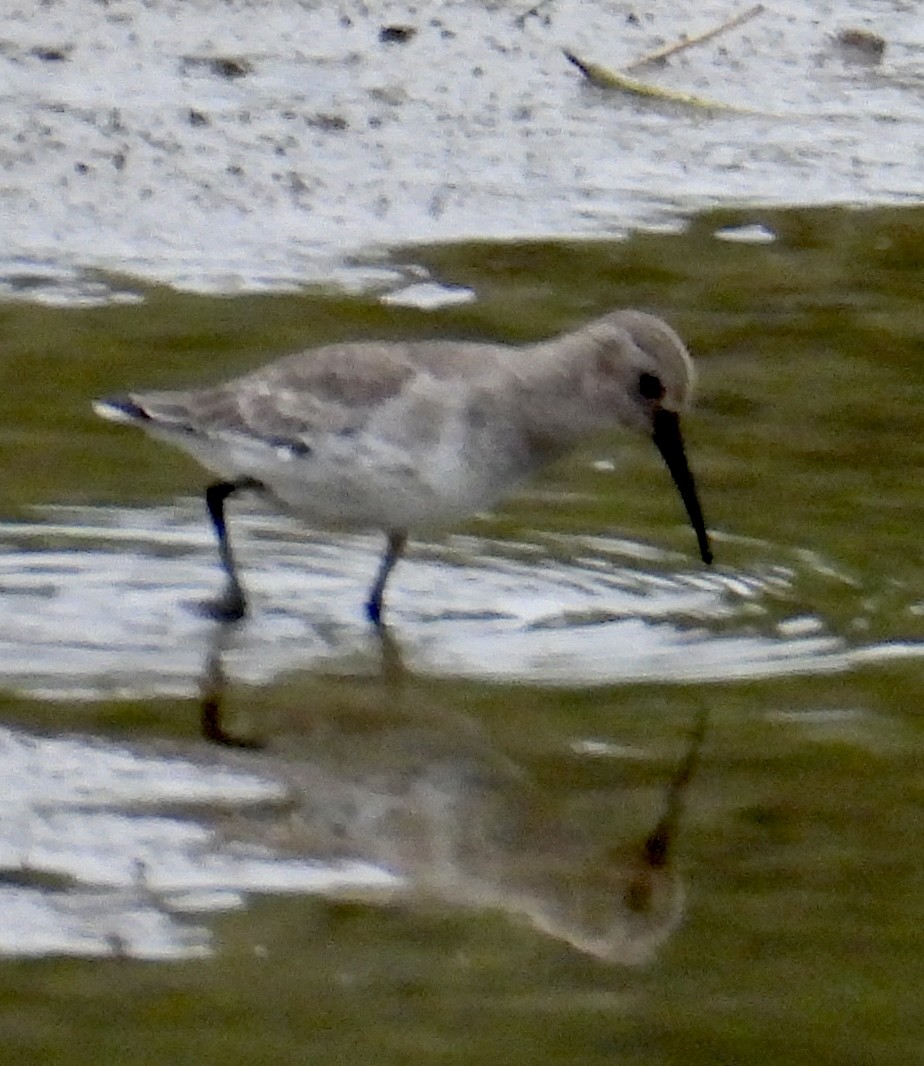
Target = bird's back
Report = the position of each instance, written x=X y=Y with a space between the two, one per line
x=405 y=435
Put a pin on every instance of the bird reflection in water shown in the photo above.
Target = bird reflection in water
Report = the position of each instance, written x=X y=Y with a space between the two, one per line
x=374 y=773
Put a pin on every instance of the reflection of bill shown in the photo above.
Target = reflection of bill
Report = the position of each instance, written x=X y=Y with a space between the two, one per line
x=374 y=775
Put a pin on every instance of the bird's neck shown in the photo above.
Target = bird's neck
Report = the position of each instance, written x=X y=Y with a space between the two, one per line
x=552 y=407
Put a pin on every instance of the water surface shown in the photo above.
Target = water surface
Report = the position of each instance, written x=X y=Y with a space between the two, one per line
x=458 y=835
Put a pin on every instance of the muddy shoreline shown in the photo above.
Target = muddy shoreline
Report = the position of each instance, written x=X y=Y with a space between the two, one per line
x=240 y=147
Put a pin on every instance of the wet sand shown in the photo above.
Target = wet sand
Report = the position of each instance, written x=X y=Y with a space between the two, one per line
x=227 y=147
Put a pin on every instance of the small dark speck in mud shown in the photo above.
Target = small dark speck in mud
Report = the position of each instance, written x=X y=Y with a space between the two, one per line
x=197 y=118
x=231 y=68
x=860 y=45
x=396 y=34
x=51 y=55
x=222 y=66
x=328 y=123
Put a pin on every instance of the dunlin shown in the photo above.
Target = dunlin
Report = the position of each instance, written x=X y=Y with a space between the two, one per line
x=417 y=436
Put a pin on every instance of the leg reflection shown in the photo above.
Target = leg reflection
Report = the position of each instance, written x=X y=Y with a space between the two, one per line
x=212 y=698
x=213 y=686
x=394 y=672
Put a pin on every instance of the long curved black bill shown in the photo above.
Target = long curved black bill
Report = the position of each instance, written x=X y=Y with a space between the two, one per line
x=669 y=440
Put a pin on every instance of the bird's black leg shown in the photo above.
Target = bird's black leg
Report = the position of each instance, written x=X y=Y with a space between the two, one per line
x=232 y=604
x=393 y=552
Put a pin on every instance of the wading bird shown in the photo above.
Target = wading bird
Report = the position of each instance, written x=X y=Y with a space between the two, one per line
x=416 y=436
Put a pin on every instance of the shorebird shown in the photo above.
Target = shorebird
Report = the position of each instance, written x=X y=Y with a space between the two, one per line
x=416 y=436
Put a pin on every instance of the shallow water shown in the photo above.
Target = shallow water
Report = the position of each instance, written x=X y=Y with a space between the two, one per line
x=456 y=835
x=500 y=812
x=106 y=604
x=111 y=603
x=93 y=866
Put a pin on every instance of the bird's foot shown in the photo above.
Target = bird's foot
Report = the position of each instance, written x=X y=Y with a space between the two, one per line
x=230 y=606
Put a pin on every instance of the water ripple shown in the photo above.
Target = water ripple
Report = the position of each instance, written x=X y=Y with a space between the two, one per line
x=101 y=602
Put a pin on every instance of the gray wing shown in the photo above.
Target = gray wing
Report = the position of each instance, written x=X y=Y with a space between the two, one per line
x=294 y=401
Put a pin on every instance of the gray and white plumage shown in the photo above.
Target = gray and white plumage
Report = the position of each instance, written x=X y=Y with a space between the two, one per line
x=416 y=436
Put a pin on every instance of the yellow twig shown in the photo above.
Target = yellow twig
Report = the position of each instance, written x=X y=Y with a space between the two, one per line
x=610 y=79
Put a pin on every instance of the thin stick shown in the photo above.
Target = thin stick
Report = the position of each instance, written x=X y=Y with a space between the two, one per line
x=688 y=42
x=610 y=79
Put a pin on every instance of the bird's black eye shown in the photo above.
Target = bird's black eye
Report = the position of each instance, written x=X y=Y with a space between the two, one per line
x=650 y=387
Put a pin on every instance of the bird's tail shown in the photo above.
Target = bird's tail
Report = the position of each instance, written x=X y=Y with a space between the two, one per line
x=121 y=409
